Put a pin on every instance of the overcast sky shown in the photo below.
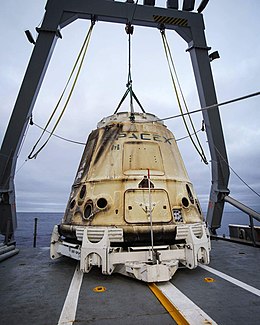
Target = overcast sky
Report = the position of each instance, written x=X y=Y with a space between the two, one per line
x=232 y=28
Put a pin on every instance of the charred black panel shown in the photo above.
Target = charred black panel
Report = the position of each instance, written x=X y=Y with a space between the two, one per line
x=89 y=151
x=109 y=135
x=143 y=238
x=132 y=238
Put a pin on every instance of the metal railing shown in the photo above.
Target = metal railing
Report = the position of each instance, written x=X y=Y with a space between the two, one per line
x=251 y=213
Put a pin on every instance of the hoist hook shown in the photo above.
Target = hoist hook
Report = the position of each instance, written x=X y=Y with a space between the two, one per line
x=161 y=28
x=129 y=28
x=93 y=19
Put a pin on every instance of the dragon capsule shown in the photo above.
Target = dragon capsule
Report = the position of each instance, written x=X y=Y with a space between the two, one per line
x=132 y=198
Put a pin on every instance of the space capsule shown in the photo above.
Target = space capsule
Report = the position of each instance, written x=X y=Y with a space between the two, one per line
x=132 y=207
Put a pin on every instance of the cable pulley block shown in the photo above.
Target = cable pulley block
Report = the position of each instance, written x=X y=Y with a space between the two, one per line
x=129 y=29
x=161 y=28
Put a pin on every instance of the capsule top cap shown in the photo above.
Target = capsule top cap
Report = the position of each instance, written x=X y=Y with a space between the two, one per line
x=125 y=117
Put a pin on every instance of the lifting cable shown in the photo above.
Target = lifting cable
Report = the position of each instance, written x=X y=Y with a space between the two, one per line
x=84 y=144
x=240 y=178
x=59 y=136
x=180 y=96
x=76 y=69
x=205 y=108
x=129 y=30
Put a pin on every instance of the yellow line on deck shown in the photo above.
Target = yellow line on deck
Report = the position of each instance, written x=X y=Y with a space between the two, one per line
x=172 y=310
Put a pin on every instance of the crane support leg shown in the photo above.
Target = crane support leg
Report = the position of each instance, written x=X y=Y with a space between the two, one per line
x=219 y=161
x=18 y=123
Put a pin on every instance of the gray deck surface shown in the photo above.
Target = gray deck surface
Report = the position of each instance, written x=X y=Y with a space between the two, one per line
x=225 y=302
x=33 y=290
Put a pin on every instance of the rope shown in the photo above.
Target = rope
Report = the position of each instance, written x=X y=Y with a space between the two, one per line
x=176 y=83
x=237 y=99
x=23 y=140
x=79 y=63
x=83 y=143
x=18 y=169
x=187 y=136
x=130 y=83
x=129 y=30
x=60 y=137
x=241 y=179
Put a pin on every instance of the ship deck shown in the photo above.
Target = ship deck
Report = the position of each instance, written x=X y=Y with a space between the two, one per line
x=35 y=289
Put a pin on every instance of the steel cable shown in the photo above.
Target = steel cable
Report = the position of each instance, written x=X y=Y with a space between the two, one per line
x=79 y=63
x=175 y=81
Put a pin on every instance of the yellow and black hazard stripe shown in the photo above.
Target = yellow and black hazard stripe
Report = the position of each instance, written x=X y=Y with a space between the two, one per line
x=170 y=20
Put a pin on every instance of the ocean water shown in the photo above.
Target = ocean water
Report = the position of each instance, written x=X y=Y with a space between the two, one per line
x=234 y=217
x=46 y=222
x=24 y=234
